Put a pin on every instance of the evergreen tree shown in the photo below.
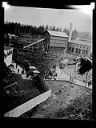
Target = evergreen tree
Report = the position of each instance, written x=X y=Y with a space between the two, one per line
x=67 y=31
x=74 y=34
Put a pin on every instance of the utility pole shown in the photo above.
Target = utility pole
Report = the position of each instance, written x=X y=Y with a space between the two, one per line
x=70 y=34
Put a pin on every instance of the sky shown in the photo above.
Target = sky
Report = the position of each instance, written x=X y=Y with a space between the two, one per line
x=48 y=16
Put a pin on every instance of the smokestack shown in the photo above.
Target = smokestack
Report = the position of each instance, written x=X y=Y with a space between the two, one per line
x=70 y=34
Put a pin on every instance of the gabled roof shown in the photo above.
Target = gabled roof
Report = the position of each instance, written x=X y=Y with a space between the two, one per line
x=56 y=33
x=81 y=41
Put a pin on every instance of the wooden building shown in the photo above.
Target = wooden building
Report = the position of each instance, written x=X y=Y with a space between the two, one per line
x=58 y=41
x=79 y=47
x=8 y=52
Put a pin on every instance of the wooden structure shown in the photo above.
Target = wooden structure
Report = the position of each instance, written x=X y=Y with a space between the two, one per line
x=41 y=46
x=79 y=47
x=8 y=52
x=58 y=41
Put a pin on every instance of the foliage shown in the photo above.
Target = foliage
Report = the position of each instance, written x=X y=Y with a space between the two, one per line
x=80 y=109
x=19 y=29
x=85 y=35
x=85 y=65
x=74 y=34
x=67 y=31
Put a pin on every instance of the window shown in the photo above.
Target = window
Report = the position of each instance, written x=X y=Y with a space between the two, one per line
x=78 y=50
x=69 y=49
x=85 y=52
x=72 y=49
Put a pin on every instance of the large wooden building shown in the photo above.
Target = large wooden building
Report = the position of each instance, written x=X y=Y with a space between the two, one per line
x=79 y=47
x=58 y=41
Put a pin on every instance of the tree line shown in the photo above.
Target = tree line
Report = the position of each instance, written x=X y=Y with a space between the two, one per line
x=21 y=29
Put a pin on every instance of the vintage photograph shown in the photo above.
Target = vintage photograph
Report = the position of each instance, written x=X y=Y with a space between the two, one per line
x=47 y=62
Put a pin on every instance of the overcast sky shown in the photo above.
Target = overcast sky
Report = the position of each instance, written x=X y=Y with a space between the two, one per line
x=43 y=16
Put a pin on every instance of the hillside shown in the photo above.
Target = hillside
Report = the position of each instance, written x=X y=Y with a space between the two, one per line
x=64 y=98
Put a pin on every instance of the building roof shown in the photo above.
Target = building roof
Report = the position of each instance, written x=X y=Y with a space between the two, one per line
x=7 y=48
x=81 y=41
x=56 y=33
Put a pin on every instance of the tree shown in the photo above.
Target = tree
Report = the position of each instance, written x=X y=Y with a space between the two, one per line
x=85 y=65
x=85 y=35
x=74 y=34
x=67 y=31
x=46 y=27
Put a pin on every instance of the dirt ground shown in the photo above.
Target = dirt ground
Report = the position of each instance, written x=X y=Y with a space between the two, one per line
x=63 y=93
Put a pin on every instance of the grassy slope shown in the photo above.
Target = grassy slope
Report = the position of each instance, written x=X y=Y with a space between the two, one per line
x=63 y=94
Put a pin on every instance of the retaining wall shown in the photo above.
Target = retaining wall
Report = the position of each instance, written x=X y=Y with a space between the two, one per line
x=28 y=105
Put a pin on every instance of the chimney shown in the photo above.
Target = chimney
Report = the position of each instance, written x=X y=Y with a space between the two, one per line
x=70 y=34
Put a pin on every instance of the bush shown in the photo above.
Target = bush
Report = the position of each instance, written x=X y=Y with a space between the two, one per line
x=80 y=109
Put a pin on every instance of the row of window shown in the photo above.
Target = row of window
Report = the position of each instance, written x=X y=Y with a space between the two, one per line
x=71 y=49
x=84 y=47
x=84 y=51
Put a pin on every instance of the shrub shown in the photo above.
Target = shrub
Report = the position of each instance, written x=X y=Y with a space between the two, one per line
x=80 y=109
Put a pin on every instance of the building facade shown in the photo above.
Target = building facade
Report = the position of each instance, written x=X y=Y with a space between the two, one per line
x=8 y=52
x=79 y=47
x=58 y=41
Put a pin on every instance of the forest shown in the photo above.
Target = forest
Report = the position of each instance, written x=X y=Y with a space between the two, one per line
x=23 y=30
x=20 y=29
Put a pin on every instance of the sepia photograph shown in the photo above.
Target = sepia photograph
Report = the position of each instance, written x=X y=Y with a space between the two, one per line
x=48 y=57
